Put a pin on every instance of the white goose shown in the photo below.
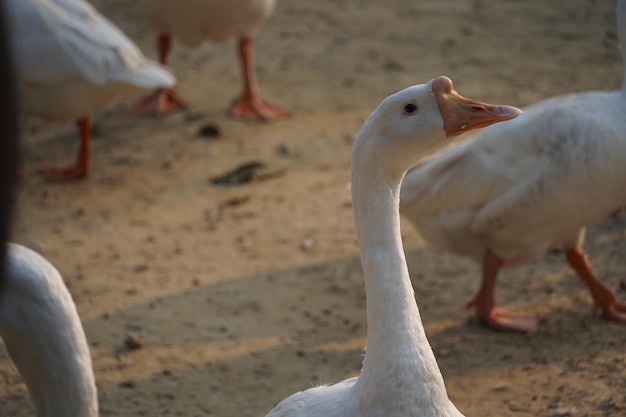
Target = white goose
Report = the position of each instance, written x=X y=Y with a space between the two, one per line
x=70 y=62
x=519 y=188
x=195 y=21
x=400 y=376
x=44 y=337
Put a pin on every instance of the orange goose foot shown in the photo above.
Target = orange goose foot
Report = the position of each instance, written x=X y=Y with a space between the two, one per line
x=604 y=297
x=505 y=320
x=64 y=173
x=161 y=100
x=254 y=107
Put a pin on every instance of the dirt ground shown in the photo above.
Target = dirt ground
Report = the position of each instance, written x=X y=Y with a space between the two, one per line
x=245 y=294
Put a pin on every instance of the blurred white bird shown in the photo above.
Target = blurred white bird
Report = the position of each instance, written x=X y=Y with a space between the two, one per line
x=400 y=376
x=45 y=338
x=195 y=21
x=519 y=188
x=70 y=62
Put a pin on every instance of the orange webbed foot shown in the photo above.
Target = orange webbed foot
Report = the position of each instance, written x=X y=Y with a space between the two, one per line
x=604 y=297
x=64 y=173
x=505 y=320
x=161 y=100
x=606 y=301
x=247 y=108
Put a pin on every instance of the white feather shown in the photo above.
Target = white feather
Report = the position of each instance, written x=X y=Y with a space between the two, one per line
x=71 y=61
x=400 y=376
x=195 y=21
x=521 y=187
x=44 y=336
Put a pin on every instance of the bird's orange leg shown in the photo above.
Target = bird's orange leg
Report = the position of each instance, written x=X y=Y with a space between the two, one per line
x=162 y=99
x=604 y=297
x=485 y=302
x=250 y=104
x=83 y=159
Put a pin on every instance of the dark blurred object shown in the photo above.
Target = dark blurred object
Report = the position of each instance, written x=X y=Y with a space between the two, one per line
x=210 y=131
x=242 y=174
x=8 y=138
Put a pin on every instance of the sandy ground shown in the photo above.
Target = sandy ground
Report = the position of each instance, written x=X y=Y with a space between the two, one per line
x=246 y=294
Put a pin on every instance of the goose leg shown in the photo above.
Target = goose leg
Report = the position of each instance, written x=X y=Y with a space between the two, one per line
x=250 y=104
x=604 y=297
x=162 y=99
x=485 y=302
x=83 y=159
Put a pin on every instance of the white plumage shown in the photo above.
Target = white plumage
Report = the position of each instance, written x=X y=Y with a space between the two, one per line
x=71 y=61
x=193 y=22
x=44 y=337
x=400 y=376
x=520 y=188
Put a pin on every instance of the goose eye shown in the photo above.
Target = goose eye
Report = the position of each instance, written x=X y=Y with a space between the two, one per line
x=410 y=108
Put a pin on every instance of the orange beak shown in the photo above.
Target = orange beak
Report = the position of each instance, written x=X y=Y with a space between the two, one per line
x=462 y=114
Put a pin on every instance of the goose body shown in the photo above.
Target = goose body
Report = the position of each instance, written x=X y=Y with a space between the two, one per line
x=193 y=22
x=44 y=337
x=519 y=188
x=519 y=192
x=400 y=376
x=71 y=62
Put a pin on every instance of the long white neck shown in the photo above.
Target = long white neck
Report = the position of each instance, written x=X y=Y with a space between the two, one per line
x=397 y=351
x=44 y=336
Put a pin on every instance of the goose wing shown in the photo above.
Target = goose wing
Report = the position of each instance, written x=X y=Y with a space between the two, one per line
x=63 y=40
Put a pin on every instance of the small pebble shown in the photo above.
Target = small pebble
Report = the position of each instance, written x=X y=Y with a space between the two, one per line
x=235 y=201
x=127 y=384
x=307 y=243
x=513 y=406
x=133 y=342
x=283 y=149
x=499 y=387
x=564 y=412
x=209 y=131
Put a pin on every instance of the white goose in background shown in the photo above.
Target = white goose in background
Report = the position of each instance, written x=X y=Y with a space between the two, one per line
x=519 y=188
x=70 y=62
x=44 y=337
x=400 y=376
x=194 y=21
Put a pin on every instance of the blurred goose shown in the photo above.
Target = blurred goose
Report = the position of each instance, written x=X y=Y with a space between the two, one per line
x=195 y=21
x=519 y=188
x=400 y=376
x=70 y=62
x=44 y=337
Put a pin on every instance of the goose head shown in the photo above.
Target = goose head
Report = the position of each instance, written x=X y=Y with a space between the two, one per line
x=418 y=120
